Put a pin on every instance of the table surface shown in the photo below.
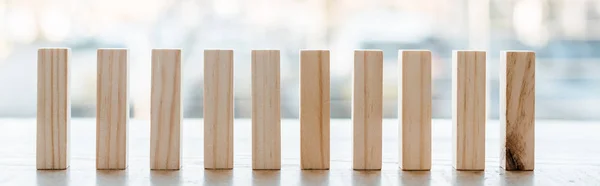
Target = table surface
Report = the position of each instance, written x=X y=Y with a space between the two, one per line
x=567 y=153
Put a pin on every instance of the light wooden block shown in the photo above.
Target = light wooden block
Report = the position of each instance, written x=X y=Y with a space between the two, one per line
x=53 y=108
x=266 y=116
x=218 y=109
x=517 y=110
x=367 y=106
x=112 y=109
x=414 y=109
x=314 y=109
x=468 y=110
x=165 y=106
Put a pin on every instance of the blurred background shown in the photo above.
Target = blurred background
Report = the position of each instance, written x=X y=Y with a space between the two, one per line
x=564 y=33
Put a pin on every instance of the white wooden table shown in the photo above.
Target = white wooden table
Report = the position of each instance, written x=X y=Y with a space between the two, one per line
x=567 y=153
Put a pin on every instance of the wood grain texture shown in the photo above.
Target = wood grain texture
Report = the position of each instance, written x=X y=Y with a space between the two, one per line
x=314 y=109
x=468 y=110
x=112 y=109
x=266 y=116
x=166 y=115
x=517 y=110
x=414 y=110
x=367 y=106
x=218 y=109
x=53 y=108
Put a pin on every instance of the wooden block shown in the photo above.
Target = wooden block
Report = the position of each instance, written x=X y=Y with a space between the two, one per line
x=367 y=106
x=112 y=109
x=517 y=110
x=414 y=110
x=218 y=109
x=468 y=110
x=314 y=109
x=266 y=116
x=165 y=105
x=53 y=108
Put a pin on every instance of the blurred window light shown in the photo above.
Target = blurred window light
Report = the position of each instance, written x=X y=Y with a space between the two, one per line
x=226 y=8
x=21 y=25
x=190 y=13
x=55 y=24
x=528 y=21
x=262 y=13
x=111 y=11
x=5 y=49
x=573 y=19
x=596 y=6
